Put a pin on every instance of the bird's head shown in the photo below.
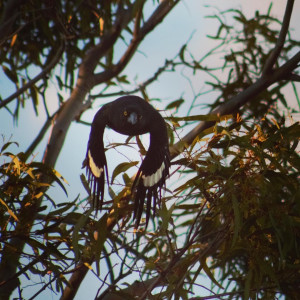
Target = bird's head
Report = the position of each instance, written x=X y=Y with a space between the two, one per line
x=129 y=119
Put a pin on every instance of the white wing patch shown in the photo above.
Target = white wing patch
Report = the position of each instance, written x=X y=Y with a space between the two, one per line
x=153 y=179
x=95 y=170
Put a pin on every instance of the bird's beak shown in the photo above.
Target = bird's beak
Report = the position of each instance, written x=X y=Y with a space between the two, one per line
x=133 y=118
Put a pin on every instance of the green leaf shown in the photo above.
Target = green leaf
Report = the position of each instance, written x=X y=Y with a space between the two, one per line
x=209 y=273
x=60 y=211
x=100 y=237
x=111 y=193
x=75 y=236
x=121 y=168
x=175 y=104
x=237 y=219
x=126 y=179
x=59 y=81
x=6 y=145
x=34 y=98
x=85 y=183
x=181 y=52
x=10 y=74
x=123 y=79
x=188 y=206
x=166 y=215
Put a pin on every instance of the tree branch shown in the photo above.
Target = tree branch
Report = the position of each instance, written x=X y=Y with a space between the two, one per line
x=267 y=79
x=281 y=39
x=85 y=81
x=142 y=85
x=38 y=138
x=158 y=15
x=139 y=34
x=91 y=60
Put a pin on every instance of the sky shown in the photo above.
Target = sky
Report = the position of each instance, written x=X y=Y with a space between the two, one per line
x=185 y=21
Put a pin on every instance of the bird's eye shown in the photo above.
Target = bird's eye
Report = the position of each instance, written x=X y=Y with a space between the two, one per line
x=125 y=113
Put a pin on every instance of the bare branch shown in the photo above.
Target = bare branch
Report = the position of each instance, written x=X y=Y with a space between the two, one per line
x=294 y=77
x=93 y=56
x=281 y=39
x=158 y=15
x=138 y=18
x=43 y=131
x=142 y=85
x=75 y=281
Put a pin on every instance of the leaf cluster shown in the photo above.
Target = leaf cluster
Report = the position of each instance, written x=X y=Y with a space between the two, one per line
x=23 y=186
x=251 y=180
x=243 y=46
x=45 y=39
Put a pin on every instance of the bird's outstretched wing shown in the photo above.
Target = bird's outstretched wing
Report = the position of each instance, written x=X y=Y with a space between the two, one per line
x=149 y=181
x=96 y=160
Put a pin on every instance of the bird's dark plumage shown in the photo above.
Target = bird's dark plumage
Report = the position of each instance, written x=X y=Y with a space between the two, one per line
x=130 y=115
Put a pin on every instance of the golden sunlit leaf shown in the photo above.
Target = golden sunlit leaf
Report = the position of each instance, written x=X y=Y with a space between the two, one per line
x=9 y=210
x=88 y=265
x=275 y=122
x=40 y=184
x=58 y=175
x=39 y=195
x=13 y=40
x=29 y=172
x=17 y=164
x=101 y=25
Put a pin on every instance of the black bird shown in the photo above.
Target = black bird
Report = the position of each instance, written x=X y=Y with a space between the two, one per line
x=130 y=115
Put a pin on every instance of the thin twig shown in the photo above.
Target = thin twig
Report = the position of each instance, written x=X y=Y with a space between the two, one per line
x=142 y=85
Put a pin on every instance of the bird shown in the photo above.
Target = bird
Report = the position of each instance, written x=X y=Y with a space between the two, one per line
x=130 y=115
